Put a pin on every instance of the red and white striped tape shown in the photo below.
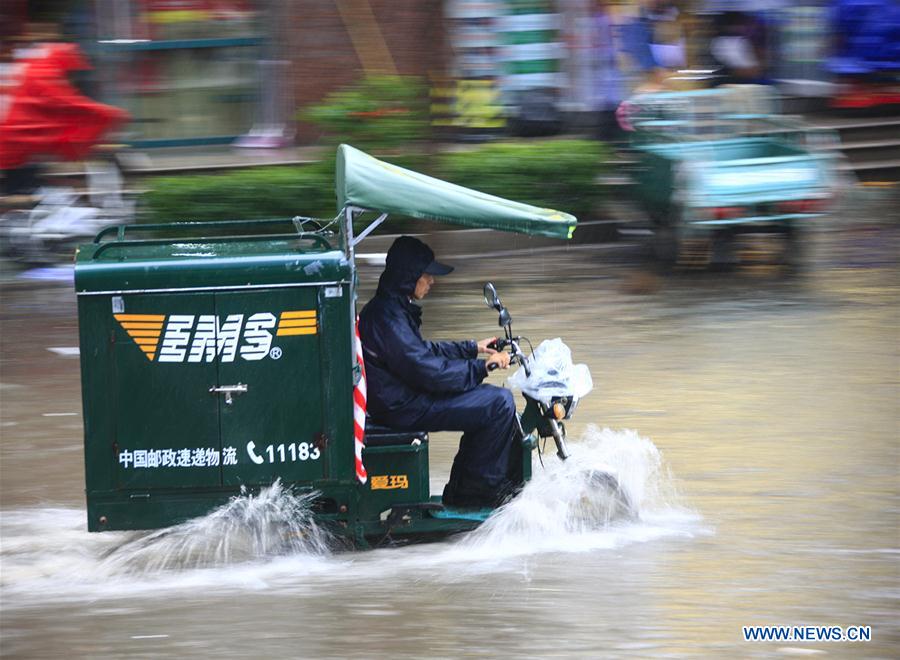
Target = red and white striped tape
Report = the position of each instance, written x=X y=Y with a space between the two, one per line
x=359 y=410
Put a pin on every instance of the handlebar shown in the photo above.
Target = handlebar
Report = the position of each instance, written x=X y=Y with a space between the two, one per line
x=516 y=354
x=548 y=422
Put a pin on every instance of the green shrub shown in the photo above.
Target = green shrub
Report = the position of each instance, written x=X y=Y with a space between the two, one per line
x=557 y=174
x=262 y=192
x=251 y=193
x=377 y=113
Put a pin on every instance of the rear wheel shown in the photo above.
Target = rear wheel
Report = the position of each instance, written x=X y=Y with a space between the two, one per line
x=723 y=250
x=677 y=247
x=666 y=245
x=14 y=227
x=792 y=255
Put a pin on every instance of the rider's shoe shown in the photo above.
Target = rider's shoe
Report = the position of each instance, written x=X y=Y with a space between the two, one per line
x=479 y=497
x=465 y=498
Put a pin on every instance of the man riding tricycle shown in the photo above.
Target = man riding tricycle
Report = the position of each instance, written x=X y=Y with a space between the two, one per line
x=222 y=357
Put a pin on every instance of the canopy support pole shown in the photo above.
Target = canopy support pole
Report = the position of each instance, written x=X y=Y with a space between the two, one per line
x=348 y=232
x=368 y=230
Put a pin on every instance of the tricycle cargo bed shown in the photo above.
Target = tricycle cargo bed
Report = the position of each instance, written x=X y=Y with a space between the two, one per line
x=208 y=364
x=675 y=178
x=726 y=150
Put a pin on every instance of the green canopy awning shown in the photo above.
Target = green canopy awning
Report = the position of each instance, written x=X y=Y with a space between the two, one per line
x=368 y=183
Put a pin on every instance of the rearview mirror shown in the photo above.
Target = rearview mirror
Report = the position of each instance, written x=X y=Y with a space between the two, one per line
x=491 y=299
x=505 y=318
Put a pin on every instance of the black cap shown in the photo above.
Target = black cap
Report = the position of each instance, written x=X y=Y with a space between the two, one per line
x=437 y=268
x=410 y=253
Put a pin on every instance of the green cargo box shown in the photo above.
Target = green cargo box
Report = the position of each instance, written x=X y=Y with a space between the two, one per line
x=210 y=364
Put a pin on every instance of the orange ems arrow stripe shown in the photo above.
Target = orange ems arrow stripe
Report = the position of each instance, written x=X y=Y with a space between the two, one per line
x=299 y=322
x=144 y=329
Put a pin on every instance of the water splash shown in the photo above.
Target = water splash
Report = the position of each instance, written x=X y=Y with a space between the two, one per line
x=248 y=528
x=47 y=555
x=613 y=489
x=269 y=541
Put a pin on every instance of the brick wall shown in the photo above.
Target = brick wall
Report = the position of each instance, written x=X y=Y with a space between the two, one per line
x=331 y=43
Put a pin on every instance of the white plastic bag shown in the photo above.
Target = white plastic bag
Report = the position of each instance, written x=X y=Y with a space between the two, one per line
x=552 y=374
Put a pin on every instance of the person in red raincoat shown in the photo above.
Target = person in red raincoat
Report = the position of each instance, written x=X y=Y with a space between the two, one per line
x=43 y=114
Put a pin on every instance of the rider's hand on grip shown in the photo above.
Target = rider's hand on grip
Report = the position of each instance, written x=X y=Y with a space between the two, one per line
x=498 y=361
x=488 y=345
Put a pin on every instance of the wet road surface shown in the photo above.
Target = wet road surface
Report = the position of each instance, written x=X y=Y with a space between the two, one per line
x=756 y=416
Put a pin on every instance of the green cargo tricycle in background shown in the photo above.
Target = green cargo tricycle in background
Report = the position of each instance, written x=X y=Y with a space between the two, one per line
x=715 y=163
x=221 y=357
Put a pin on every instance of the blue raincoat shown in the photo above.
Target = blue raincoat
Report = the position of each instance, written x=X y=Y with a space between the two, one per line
x=415 y=384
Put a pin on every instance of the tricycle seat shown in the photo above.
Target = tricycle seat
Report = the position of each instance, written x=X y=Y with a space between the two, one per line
x=383 y=436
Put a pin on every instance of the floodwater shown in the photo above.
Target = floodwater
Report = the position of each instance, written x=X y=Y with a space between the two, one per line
x=753 y=417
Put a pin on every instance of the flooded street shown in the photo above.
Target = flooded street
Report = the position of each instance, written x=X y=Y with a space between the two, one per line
x=755 y=416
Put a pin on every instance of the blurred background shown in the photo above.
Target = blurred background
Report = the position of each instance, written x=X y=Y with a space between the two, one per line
x=199 y=72
x=732 y=286
x=209 y=86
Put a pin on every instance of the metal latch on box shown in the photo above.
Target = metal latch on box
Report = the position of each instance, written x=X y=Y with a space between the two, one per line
x=229 y=391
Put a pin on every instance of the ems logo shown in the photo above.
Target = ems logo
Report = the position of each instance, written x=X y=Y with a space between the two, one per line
x=206 y=337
